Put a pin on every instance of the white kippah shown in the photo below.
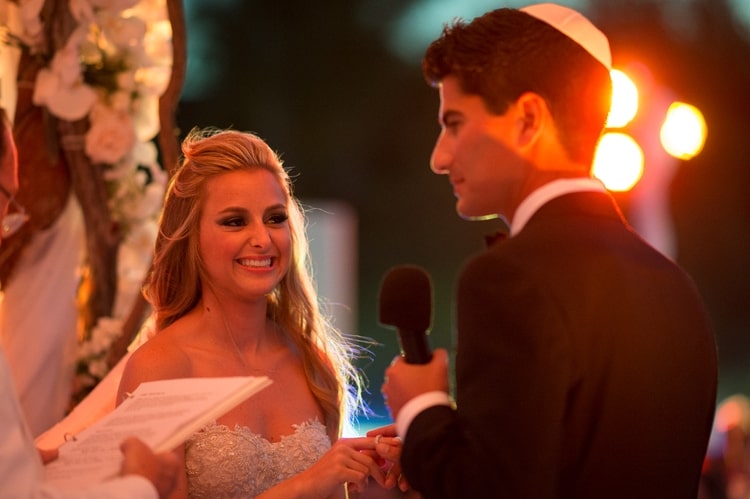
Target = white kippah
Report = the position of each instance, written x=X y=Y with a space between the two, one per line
x=576 y=27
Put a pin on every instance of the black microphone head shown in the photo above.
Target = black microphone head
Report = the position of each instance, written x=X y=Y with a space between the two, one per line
x=406 y=299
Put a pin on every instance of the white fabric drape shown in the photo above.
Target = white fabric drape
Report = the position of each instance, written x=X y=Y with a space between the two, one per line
x=38 y=318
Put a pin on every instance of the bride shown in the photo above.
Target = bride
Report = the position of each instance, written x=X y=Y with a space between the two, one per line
x=232 y=296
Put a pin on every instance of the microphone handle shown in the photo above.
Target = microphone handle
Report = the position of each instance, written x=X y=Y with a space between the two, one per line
x=414 y=347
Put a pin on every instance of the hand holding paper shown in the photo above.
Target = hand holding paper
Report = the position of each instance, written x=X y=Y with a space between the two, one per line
x=163 y=414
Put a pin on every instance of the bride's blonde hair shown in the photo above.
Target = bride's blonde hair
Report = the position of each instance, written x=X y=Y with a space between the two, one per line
x=175 y=283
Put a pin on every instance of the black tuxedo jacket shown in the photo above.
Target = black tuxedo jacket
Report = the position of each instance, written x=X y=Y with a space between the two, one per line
x=585 y=368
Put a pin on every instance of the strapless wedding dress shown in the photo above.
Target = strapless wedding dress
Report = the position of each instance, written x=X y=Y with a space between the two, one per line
x=225 y=463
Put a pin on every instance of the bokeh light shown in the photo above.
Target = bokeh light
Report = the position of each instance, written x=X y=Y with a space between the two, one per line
x=683 y=133
x=618 y=162
x=624 y=100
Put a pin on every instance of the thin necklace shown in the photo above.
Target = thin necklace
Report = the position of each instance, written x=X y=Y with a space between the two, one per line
x=234 y=343
x=239 y=352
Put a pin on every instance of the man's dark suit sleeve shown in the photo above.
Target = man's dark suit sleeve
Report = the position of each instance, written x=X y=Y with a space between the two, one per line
x=512 y=370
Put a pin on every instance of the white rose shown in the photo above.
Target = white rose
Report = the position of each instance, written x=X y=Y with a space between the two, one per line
x=110 y=137
x=72 y=103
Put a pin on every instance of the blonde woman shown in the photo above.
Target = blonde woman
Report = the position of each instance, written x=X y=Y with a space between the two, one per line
x=233 y=296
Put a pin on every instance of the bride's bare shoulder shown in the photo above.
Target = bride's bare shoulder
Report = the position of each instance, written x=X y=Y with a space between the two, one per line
x=167 y=346
x=163 y=356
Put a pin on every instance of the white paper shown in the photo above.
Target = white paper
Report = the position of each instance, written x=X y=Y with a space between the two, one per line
x=161 y=413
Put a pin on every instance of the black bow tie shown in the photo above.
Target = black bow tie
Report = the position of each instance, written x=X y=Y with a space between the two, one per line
x=495 y=238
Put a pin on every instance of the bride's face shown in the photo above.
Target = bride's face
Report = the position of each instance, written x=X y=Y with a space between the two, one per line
x=245 y=240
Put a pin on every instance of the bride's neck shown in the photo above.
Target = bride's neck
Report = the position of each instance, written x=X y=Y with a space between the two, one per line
x=244 y=324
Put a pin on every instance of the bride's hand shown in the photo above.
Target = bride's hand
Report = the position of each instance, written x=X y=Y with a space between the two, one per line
x=350 y=461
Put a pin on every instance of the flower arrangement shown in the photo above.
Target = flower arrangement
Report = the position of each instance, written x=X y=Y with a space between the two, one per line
x=112 y=70
x=91 y=365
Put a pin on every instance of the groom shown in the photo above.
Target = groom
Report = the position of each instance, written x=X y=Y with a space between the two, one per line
x=586 y=365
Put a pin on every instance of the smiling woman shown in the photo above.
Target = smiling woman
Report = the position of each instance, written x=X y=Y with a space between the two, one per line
x=233 y=296
x=245 y=240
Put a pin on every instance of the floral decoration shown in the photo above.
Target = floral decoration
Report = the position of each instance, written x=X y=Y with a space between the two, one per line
x=92 y=357
x=112 y=70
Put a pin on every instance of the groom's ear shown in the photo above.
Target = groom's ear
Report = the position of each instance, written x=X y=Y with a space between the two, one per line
x=532 y=119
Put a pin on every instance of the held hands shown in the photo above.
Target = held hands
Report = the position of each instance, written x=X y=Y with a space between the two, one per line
x=405 y=381
x=388 y=449
x=349 y=461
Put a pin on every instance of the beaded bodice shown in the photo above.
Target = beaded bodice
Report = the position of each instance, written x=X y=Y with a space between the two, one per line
x=222 y=463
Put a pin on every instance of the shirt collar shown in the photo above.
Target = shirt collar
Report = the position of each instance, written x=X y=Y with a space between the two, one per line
x=547 y=192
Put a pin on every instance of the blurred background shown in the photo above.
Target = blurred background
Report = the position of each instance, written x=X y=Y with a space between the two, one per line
x=336 y=88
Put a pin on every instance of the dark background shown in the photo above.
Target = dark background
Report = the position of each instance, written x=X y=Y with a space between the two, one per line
x=356 y=122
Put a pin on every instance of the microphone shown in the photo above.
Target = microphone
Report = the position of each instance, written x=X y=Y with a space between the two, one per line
x=406 y=304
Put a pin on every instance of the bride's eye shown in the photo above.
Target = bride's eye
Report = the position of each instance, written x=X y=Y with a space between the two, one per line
x=232 y=222
x=277 y=218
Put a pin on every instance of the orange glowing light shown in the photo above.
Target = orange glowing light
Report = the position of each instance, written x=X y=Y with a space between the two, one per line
x=624 y=100
x=618 y=161
x=684 y=131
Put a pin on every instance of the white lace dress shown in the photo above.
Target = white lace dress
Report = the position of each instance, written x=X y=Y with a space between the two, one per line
x=222 y=463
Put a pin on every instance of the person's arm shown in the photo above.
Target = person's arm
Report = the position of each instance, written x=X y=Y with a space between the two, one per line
x=143 y=474
x=124 y=487
x=512 y=373
x=22 y=471
x=408 y=389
